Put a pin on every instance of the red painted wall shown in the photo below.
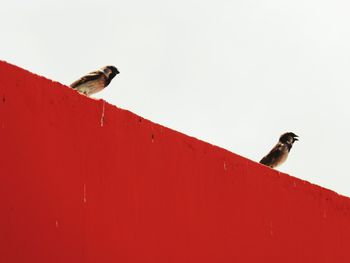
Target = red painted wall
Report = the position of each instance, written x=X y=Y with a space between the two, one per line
x=84 y=181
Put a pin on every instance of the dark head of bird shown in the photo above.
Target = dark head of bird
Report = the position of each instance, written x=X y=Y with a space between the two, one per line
x=288 y=138
x=110 y=72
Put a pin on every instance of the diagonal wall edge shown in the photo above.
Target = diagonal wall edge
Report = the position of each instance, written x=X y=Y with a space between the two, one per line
x=85 y=181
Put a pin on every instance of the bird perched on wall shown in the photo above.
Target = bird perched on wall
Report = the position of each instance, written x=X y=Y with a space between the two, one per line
x=95 y=81
x=279 y=153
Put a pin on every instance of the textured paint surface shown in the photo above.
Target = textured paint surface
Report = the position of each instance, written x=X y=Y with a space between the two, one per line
x=84 y=181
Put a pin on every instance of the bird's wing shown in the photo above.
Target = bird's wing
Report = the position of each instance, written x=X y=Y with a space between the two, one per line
x=91 y=76
x=272 y=156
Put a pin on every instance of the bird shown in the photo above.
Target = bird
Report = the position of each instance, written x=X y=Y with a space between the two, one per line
x=95 y=81
x=279 y=153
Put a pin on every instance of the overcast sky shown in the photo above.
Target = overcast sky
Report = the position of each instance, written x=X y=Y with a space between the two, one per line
x=236 y=74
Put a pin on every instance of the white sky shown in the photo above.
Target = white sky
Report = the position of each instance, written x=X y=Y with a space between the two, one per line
x=236 y=74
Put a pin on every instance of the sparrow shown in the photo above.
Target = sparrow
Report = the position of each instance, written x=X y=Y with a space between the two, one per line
x=95 y=81
x=279 y=153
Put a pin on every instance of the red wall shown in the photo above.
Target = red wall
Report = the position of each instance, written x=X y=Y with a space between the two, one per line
x=84 y=181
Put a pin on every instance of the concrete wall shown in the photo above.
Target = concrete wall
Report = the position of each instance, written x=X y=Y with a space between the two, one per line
x=84 y=181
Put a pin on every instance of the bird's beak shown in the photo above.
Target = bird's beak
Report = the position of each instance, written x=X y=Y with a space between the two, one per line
x=296 y=138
